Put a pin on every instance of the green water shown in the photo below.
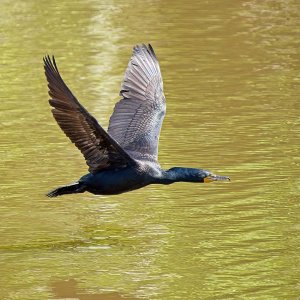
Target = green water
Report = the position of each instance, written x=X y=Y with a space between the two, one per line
x=231 y=78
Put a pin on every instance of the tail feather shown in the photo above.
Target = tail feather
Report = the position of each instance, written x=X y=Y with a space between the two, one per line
x=73 y=188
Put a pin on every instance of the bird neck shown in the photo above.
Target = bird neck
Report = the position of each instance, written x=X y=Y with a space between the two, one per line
x=178 y=174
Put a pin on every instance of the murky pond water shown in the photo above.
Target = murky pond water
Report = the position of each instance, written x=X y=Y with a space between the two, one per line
x=231 y=76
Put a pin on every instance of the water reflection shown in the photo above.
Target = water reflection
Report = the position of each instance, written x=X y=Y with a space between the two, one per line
x=68 y=289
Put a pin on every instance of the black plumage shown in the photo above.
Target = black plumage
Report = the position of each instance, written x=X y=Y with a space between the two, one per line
x=126 y=156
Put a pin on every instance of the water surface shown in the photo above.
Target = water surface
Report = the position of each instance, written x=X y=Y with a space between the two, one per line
x=231 y=78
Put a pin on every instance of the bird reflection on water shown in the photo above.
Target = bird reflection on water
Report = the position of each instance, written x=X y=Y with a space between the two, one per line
x=124 y=158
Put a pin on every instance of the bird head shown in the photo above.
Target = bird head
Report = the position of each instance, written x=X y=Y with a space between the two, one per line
x=194 y=175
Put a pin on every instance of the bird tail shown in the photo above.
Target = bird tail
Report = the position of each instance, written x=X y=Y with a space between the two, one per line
x=74 y=188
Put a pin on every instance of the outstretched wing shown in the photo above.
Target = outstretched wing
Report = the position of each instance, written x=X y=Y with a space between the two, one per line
x=137 y=118
x=100 y=150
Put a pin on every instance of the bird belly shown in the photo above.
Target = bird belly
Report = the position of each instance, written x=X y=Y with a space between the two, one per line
x=111 y=182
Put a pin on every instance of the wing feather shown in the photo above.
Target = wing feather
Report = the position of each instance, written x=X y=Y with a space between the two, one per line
x=137 y=118
x=100 y=150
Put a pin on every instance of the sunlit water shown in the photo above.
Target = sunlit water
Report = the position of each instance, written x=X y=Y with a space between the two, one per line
x=231 y=77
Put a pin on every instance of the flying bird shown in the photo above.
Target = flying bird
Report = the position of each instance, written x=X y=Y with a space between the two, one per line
x=125 y=157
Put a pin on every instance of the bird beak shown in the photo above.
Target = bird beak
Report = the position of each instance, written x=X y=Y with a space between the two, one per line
x=212 y=178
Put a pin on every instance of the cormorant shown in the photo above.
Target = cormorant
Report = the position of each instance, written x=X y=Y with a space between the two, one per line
x=125 y=157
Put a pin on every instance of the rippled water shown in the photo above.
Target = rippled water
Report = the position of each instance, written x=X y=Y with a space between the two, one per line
x=231 y=74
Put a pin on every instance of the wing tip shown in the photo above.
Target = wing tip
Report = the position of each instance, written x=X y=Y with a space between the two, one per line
x=50 y=63
x=140 y=47
x=152 y=50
